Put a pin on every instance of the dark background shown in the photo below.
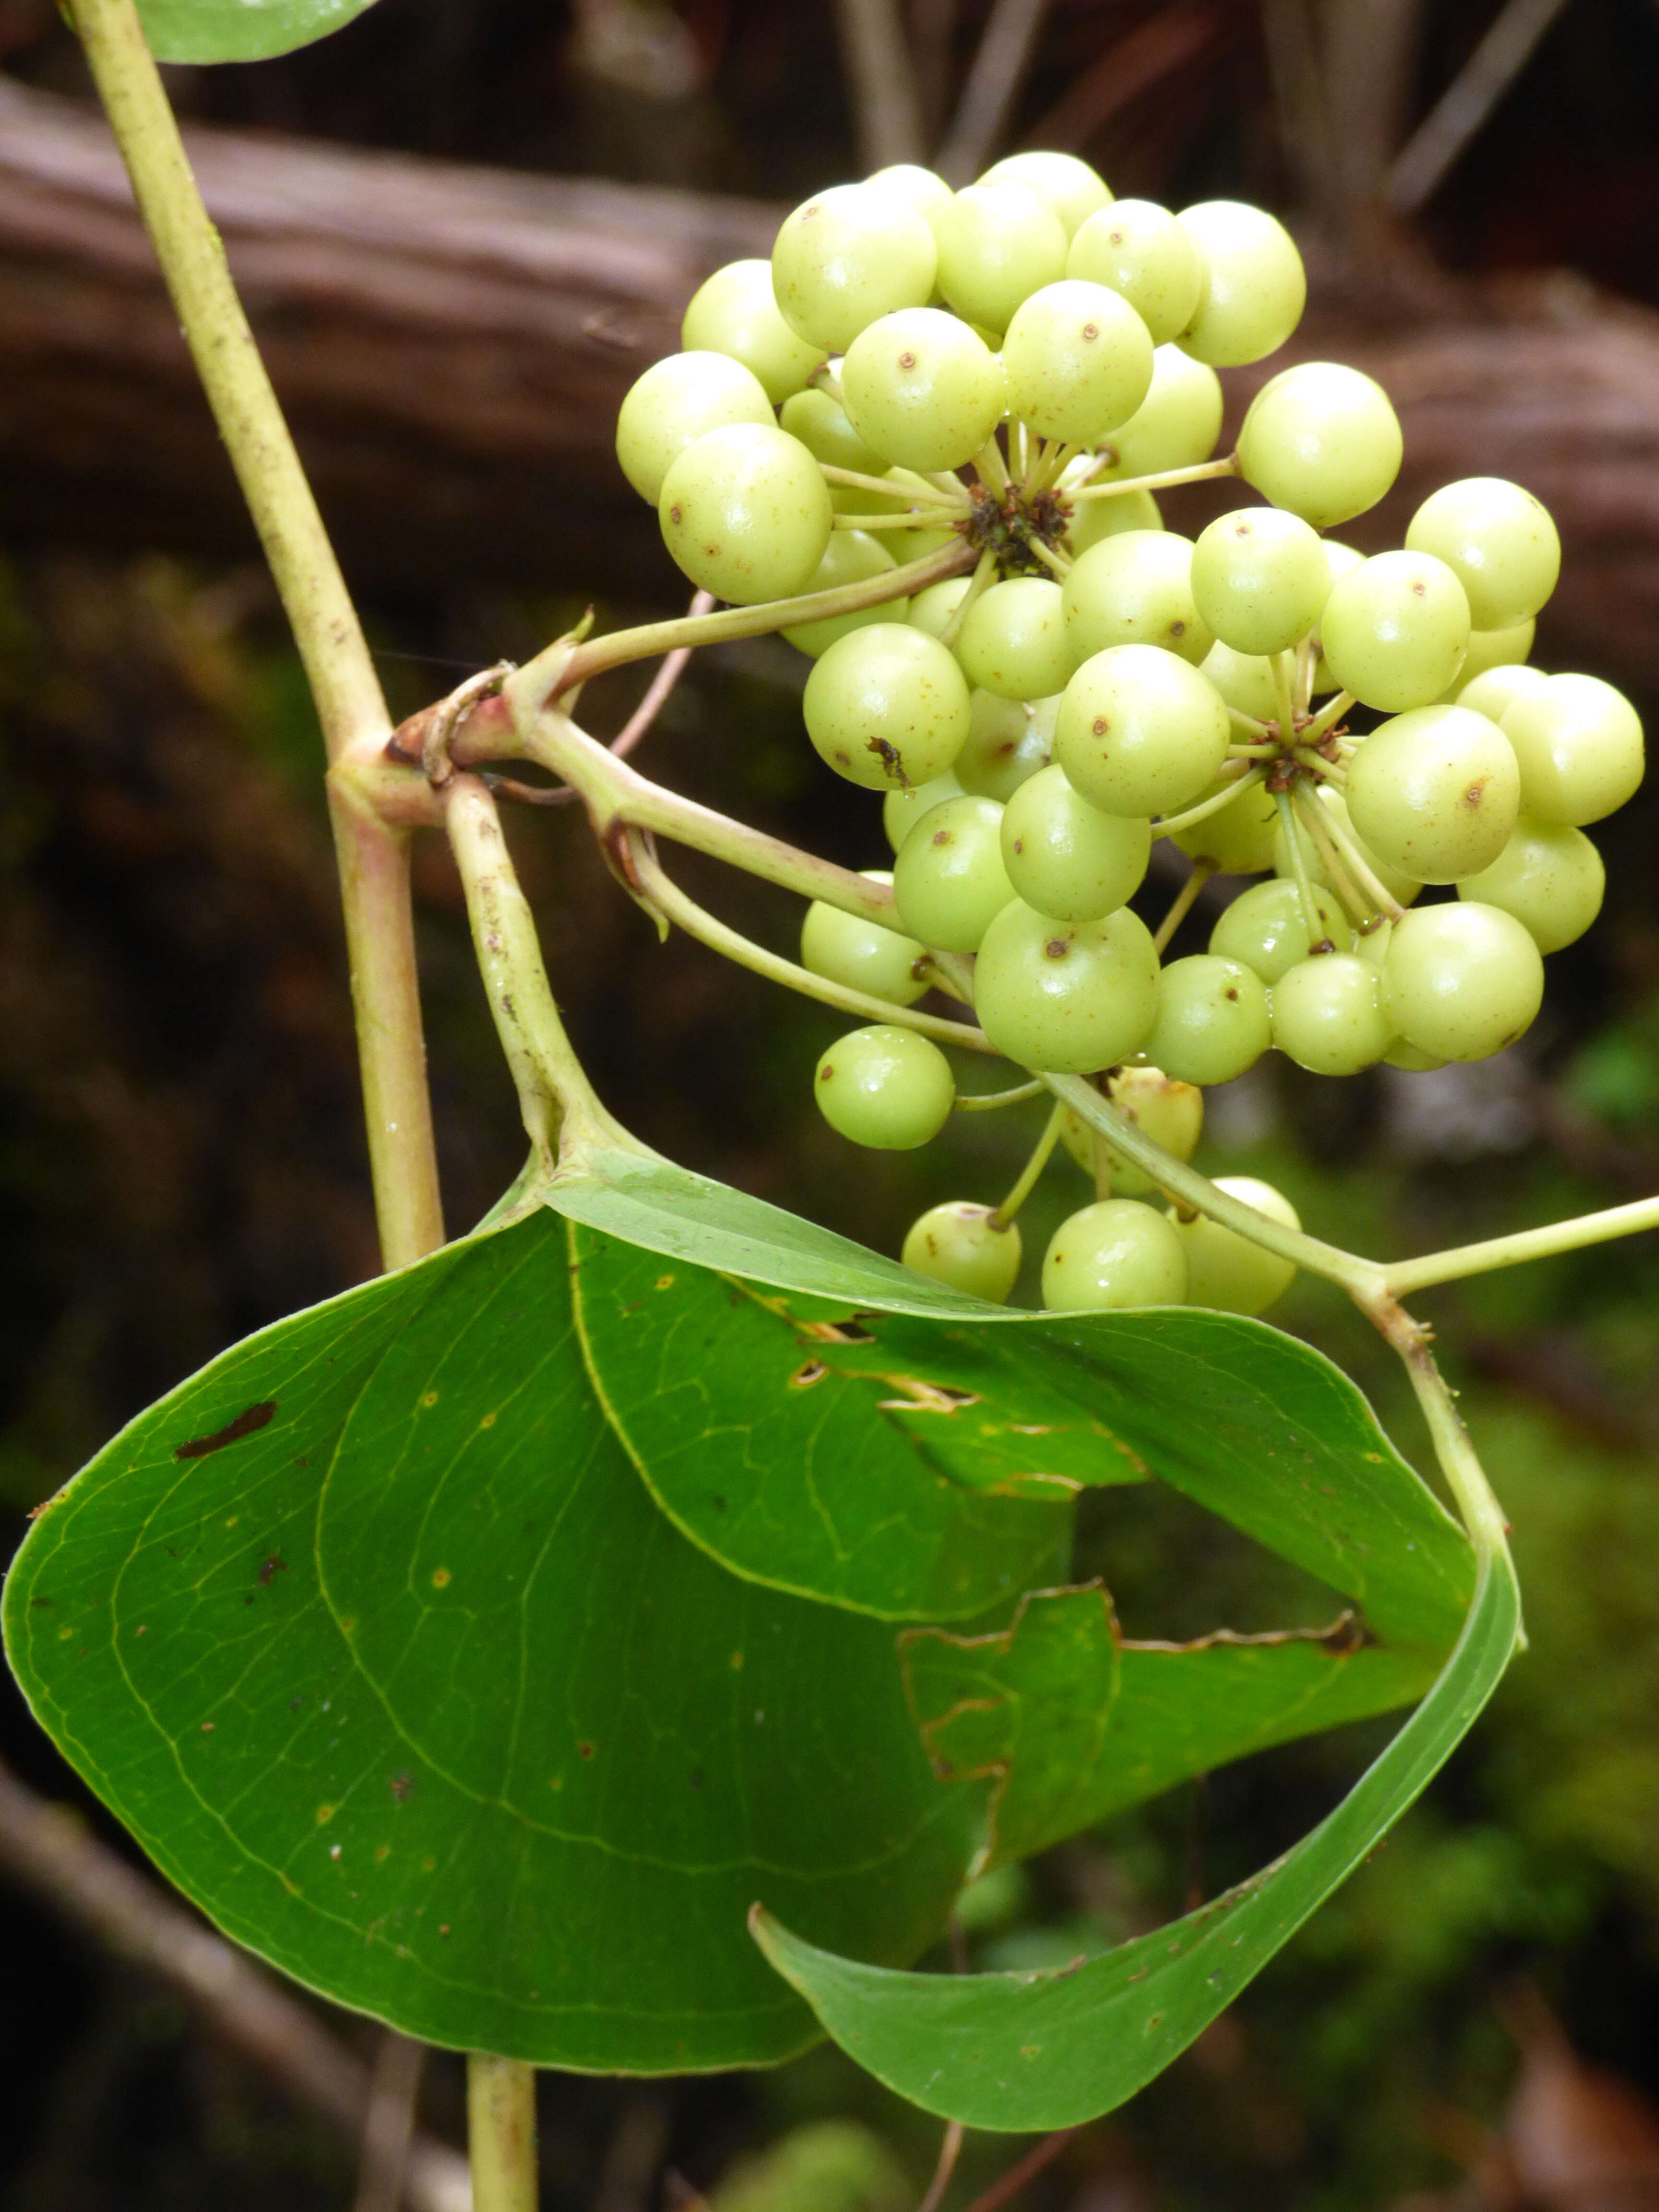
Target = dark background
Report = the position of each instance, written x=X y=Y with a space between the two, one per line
x=181 y=1156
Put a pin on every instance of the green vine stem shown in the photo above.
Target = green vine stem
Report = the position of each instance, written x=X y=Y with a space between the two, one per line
x=372 y=853
x=1574 y=1236
x=500 y=2114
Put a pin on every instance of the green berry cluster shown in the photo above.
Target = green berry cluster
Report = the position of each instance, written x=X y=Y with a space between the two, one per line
x=998 y=378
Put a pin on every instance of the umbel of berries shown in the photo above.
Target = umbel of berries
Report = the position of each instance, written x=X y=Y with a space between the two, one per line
x=932 y=431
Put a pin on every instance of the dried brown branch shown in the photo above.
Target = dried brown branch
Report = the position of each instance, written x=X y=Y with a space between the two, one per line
x=1421 y=167
x=886 y=105
x=993 y=84
x=48 y=1852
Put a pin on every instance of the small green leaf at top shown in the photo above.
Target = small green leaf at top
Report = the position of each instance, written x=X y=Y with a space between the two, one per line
x=239 y=30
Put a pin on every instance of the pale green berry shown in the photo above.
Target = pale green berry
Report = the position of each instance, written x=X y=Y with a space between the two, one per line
x=821 y=424
x=736 y=311
x=1139 y=731
x=1372 y=939
x=920 y=387
x=948 y=879
x=1115 y=1253
x=1070 y=996
x=863 y=954
x=1495 y=691
x=1328 y=1015
x=997 y=245
x=1078 y=360
x=885 y=1087
x=1212 y=1021
x=887 y=705
x=1498 y=540
x=1065 y=857
x=1138 y=249
x=1400 y=886
x=852 y=556
x=1134 y=588
x=847 y=256
x=1095 y=519
x=1579 y=743
x=1322 y=440
x=1013 y=641
x=1490 y=649
x=1236 y=839
x=1461 y=981
x=1395 y=630
x=1170 y=1113
x=1549 y=877
x=965 y=1247
x=906 y=804
x=1009 y=740
x=1434 y=792
x=673 y=404
x=1175 y=427
x=1340 y=559
x=1226 y=1271
x=1259 y=578
x=1266 y=929
x=933 y=608
x=1245 y=680
x=1255 y=287
x=1408 y=1057
x=1063 y=183
x=928 y=194
x=746 y=513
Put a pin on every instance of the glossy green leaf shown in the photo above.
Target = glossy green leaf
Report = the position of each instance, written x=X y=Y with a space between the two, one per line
x=239 y=30
x=1025 y=2052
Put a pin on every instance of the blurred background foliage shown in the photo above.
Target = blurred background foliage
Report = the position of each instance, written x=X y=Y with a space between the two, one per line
x=181 y=1161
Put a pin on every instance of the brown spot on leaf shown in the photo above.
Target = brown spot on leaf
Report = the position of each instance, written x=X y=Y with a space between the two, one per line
x=245 y=1425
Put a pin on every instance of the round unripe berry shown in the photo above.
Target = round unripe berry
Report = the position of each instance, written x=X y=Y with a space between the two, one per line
x=1395 y=630
x=846 y=949
x=1070 y=996
x=1068 y=187
x=965 y=1246
x=1236 y=840
x=1078 y=362
x=887 y=705
x=1266 y=929
x=918 y=188
x=852 y=556
x=1175 y=427
x=847 y=256
x=1213 y=1020
x=1134 y=588
x=1579 y=743
x=1093 y=521
x=1245 y=680
x=746 y=513
x=735 y=311
x=1115 y=1253
x=906 y=804
x=1407 y=1056
x=1340 y=559
x=934 y=609
x=1400 y=886
x=1498 y=540
x=1549 y=877
x=673 y=404
x=1169 y=1112
x=921 y=388
x=997 y=245
x=1322 y=440
x=949 y=879
x=821 y=424
x=1434 y=792
x=1065 y=857
x=1495 y=691
x=885 y=1087
x=1137 y=250
x=1139 y=731
x=1328 y=1015
x=1489 y=649
x=1461 y=981
x=1009 y=741
x=1259 y=578
x=1255 y=286
x=1013 y=642
x=1226 y=1271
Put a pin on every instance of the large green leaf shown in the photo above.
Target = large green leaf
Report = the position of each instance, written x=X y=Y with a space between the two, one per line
x=239 y=30
x=1028 y=2052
